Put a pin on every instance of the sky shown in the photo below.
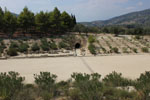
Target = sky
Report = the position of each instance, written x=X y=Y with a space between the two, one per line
x=84 y=10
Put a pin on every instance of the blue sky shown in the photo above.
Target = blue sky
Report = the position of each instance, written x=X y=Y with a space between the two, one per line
x=85 y=10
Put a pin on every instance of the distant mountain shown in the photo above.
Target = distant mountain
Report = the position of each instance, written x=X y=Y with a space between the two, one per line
x=139 y=17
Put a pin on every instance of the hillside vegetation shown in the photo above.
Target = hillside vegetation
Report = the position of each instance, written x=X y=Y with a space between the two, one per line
x=80 y=87
x=139 y=18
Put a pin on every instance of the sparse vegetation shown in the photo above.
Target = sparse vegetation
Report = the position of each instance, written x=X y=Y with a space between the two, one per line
x=23 y=47
x=91 y=39
x=12 y=52
x=80 y=87
x=35 y=47
x=145 y=49
x=115 y=50
x=92 y=49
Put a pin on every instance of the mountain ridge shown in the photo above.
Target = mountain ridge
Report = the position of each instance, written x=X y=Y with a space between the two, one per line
x=138 y=17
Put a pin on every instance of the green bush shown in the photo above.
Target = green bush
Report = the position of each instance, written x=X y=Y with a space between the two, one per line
x=23 y=47
x=137 y=37
x=86 y=87
x=91 y=39
x=92 y=49
x=47 y=82
x=134 y=50
x=145 y=49
x=115 y=50
x=62 y=45
x=35 y=47
x=14 y=45
x=2 y=46
x=12 y=52
x=53 y=46
x=125 y=50
x=45 y=45
x=10 y=83
x=116 y=79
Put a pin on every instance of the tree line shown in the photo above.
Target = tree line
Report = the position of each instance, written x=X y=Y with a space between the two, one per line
x=53 y=22
x=114 y=29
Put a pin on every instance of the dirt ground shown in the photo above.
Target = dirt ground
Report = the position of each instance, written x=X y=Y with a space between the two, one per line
x=131 y=66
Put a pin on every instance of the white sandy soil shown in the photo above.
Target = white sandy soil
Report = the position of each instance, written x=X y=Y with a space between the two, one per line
x=131 y=66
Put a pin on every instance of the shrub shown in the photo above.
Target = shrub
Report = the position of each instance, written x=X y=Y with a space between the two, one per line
x=14 y=45
x=125 y=50
x=86 y=87
x=91 y=39
x=45 y=80
x=12 y=52
x=2 y=46
x=115 y=50
x=137 y=37
x=145 y=49
x=134 y=50
x=53 y=46
x=62 y=45
x=116 y=79
x=45 y=45
x=92 y=49
x=10 y=83
x=35 y=47
x=23 y=47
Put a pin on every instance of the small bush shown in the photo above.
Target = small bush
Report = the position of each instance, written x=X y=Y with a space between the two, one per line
x=35 y=47
x=116 y=79
x=91 y=39
x=14 y=45
x=46 y=82
x=23 y=47
x=115 y=50
x=125 y=50
x=63 y=45
x=53 y=46
x=92 y=49
x=10 y=83
x=135 y=50
x=12 y=52
x=145 y=49
x=137 y=37
x=45 y=45
x=2 y=46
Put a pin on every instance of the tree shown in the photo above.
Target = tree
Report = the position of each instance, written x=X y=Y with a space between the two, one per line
x=65 y=21
x=10 y=22
x=55 y=21
x=42 y=22
x=1 y=18
x=26 y=19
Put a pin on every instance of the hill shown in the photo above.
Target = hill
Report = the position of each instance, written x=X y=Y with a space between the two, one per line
x=139 y=17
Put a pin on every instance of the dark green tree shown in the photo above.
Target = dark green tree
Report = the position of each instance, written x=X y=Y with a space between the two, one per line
x=42 y=22
x=65 y=21
x=10 y=23
x=1 y=19
x=26 y=20
x=55 y=21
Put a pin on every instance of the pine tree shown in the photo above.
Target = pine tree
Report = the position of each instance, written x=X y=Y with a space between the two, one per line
x=1 y=19
x=26 y=20
x=55 y=21
x=10 y=23
x=42 y=22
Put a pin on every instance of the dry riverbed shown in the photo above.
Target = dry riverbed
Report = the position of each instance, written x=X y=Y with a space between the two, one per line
x=130 y=66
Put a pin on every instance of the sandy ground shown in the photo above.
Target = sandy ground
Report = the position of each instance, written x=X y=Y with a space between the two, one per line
x=131 y=66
